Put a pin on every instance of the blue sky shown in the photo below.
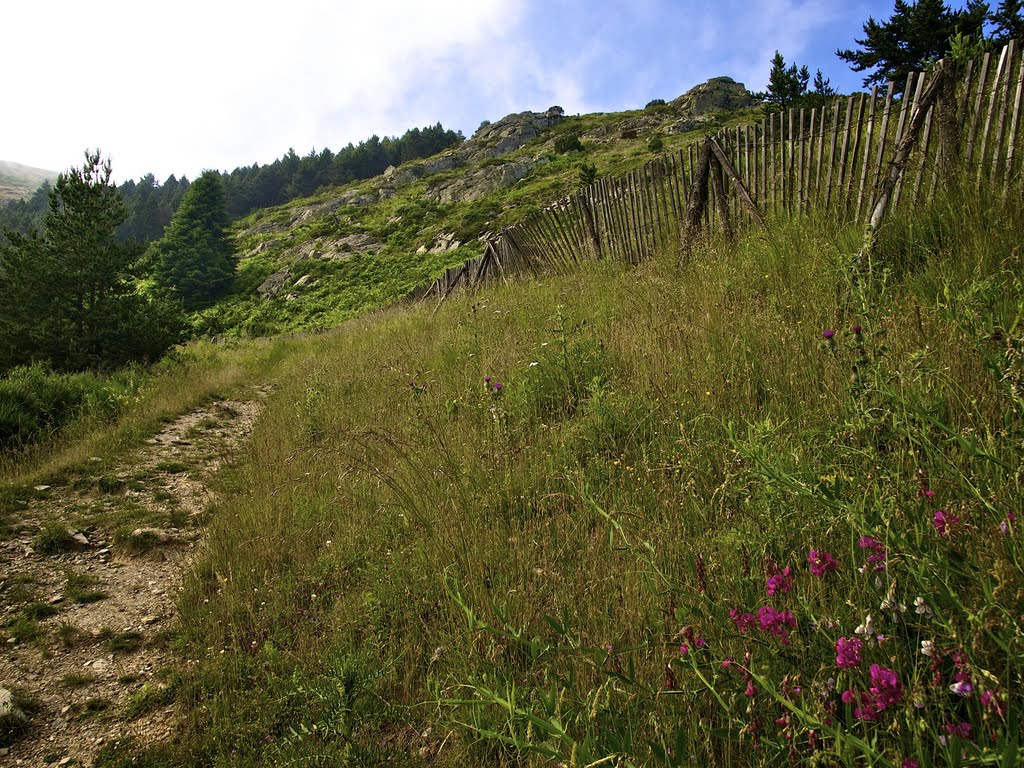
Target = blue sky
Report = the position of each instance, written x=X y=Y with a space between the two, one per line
x=222 y=83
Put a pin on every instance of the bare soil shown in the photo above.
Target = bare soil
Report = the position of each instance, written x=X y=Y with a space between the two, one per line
x=84 y=632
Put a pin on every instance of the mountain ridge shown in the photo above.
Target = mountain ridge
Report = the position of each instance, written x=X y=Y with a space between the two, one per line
x=18 y=181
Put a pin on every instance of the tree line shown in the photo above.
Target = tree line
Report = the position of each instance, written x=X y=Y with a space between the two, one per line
x=150 y=205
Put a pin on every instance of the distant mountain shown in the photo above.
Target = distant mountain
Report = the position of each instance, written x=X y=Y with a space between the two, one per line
x=19 y=181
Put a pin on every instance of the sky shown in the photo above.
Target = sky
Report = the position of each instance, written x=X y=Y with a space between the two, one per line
x=181 y=87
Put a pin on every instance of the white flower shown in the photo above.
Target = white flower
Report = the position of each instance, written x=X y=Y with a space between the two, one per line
x=921 y=606
x=928 y=648
x=867 y=629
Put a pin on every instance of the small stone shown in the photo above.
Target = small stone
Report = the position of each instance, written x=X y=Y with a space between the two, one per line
x=79 y=537
x=65 y=761
x=150 y=619
x=41 y=488
x=64 y=710
x=56 y=599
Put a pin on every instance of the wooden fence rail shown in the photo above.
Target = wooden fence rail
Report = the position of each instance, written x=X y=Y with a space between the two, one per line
x=858 y=158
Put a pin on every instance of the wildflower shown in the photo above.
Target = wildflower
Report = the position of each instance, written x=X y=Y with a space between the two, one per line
x=962 y=688
x=928 y=493
x=928 y=648
x=891 y=603
x=498 y=387
x=857 y=330
x=910 y=763
x=780 y=581
x=848 y=652
x=867 y=629
x=821 y=562
x=876 y=560
x=726 y=662
x=828 y=334
x=963 y=730
x=1006 y=526
x=743 y=621
x=944 y=522
x=993 y=702
x=885 y=687
x=487 y=379
x=751 y=690
x=921 y=607
x=776 y=623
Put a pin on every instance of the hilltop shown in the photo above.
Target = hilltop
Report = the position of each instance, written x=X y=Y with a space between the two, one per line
x=20 y=181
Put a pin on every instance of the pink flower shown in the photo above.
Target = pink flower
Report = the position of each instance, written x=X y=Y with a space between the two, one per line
x=751 y=690
x=743 y=621
x=821 y=562
x=885 y=686
x=776 y=623
x=828 y=333
x=848 y=652
x=963 y=730
x=780 y=581
x=910 y=763
x=944 y=522
x=876 y=560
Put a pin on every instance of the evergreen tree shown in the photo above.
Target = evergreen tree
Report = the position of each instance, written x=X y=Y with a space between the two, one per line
x=916 y=34
x=195 y=257
x=787 y=85
x=1008 y=21
x=74 y=301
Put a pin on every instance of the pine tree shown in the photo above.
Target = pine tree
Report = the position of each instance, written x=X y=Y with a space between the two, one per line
x=1008 y=22
x=916 y=34
x=195 y=257
x=786 y=85
x=77 y=301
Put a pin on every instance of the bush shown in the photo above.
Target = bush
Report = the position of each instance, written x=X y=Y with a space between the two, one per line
x=35 y=402
x=655 y=103
x=568 y=142
x=656 y=144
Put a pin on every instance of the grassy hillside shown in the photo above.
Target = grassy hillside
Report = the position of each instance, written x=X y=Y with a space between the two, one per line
x=350 y=249
x=20 y=181
x=759 y=509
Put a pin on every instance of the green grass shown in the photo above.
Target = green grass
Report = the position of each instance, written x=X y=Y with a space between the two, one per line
x=80 y=588
x=544 y=572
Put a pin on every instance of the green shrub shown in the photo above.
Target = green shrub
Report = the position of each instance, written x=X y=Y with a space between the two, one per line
x=568 y=142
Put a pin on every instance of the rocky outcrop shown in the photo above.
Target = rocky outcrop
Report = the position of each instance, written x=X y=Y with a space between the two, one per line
x=509 y=134
x=719 y=94
x=482 y=181
x=323 y=248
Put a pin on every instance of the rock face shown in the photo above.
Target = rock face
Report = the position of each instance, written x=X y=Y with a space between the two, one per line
x=482 y=181
x=718 y=94
x=509 y=134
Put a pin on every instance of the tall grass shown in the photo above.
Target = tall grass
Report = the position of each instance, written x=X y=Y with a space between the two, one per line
x=755 y=510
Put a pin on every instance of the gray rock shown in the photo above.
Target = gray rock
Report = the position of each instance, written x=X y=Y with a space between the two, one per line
x=154 y=534
x=12 y=719
x=272 y=286
x=719 y=94
x=304 y=281
x=483 y=181
x=509 y=134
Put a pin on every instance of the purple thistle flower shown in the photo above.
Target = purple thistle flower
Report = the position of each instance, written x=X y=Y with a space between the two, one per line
x=857 y=330
x=487 y=379
x=828 y=334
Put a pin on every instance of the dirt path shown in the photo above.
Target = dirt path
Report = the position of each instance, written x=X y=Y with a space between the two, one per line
x=88 y=587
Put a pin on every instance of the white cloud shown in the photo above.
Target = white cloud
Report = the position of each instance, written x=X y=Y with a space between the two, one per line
x=218 y=84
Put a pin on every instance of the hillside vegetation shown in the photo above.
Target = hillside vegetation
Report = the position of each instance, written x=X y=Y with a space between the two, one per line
x=760 y=508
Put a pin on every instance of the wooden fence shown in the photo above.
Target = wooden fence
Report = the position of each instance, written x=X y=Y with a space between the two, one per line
x=857 y=157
